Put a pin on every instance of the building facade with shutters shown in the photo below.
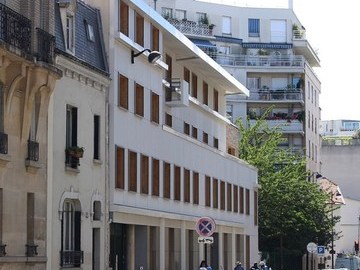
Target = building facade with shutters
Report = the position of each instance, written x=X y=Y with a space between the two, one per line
x=168 y=161
x=76 y=205
x=266 y=49
x=27 y=80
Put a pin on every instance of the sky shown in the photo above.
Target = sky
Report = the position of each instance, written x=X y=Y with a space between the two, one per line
x=332 y=28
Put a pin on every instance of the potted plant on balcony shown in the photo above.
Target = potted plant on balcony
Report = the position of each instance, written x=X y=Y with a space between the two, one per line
x=75 y=151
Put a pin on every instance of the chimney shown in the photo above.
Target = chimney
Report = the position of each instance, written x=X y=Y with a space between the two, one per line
x=290 y=4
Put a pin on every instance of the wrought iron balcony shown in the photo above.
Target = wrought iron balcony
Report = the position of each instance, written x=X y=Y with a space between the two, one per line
x=71 y=258
x=192 y=28
x=15 y=29
x=45 y=46
x=3 y=143
x=2 y=250
x=33 y=151
x=31 y=250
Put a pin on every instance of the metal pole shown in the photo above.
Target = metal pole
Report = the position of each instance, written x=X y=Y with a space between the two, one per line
x=332 y=237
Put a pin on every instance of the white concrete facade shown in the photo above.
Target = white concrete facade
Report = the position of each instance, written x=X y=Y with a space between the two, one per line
x=204 y=179
x=339 y=128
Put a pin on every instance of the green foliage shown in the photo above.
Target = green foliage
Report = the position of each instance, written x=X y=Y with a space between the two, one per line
x=292 y=210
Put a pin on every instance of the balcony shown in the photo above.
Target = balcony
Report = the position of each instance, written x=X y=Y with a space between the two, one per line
x=33 y=151
x=45 y=46
x=286 y=61
x=31 y=250
x=15 y=29
x=177 y=92
x=286 y=126
x=71 y=258
x=299 y=34
x=192 y=28
x=277 y=95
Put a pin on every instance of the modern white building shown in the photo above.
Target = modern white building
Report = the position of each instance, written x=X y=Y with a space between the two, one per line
x=76 y=182
x=266 y=49
x=339 y=128
x=168 y=149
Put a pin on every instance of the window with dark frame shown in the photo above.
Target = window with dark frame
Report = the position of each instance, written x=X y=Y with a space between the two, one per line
x=205 y=138
x=154 y=107
x=236 y=199
x=124 y=18
x=194 y=85
x=96 y=137
x=229 y=197
x=222 y=195
x=154 y=38
x=194 y=132
x=177 y=183
x=205 y=93
x=132 y=177
x=168 y=120
x=139 y=100
x=195 y=188
x=186 y=185
x=255 y=208
x=166 y=180
x=123 y=91
x=139 y=29
x=144 y=174
x=247 y=201
x=241 y=200
x=207 y=191
x=216 y=100
x=120 y=167
x=254 y=27
x=216 y=143
x=186 y=128
x=215 y=193
x=155 y=177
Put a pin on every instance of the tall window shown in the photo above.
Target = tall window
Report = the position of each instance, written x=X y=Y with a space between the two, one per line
x=187 y=75
x=177 y=183
x=154 y=38
x=154 y=107
x=132 y=181
x=144 y=174
x=254 y=27
x=195 y=188
x=241 y=200
x=205 y=93
x=70 y=33
x=167 y=13
x=255 y=208
x=194 y=132
x=139 y=29
x=71 y=126
x=186 y=128
x=71 y=254
x=194 y=85
x=168 y=119
x=123 y=91
x=166 y=180
x=124 y=18
x=226 y=25
x=236 y=198
x=30 y=224
x=278 y=31
x=216 y=100
x=229 y=197
x=215 y=193
x=96 y=137
x=207 y=191
x=222 y=195
x=180 y=14
x=139 y=100
x=205 y=138
x=247 y=201
x=155 y=177
x=186 y=185
x=2 y=108
x=120 y=167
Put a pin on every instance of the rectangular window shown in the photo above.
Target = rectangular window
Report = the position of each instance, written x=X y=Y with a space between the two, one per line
x=71 y=126
x=139 y=29
x=194 y=132
x=254 y=83
x=168 y=120
x=186 y=75
x=132 y=180
x=30 y=232
x=155 y=177
x=254 y=27
x=236 y=198
x=180 y=14
x=215 y=193
x=144 y=174
x=154 y=38
x=186 y=185
x=166 y=180
x=123 y=91
x=241 y=200
x=207 y=191
x=120 y=168
x=194 y=85
x=231 y=151
x=255 y=208
x=216 y=100
x=177 y=183
x=168 y=61
x=195 y=188
x=139 y=100
x=186 y=128
x=216 y=143
x=70 y=32
x=278 y=31
x=205 y=138
x=167 y=13
x=222 y=195
x=124 y=18
x=202 y=18
x=205 y=93
x=155 y=107
x=229 y=197
x=96 y=137
x=226 y=25
x=247 y=201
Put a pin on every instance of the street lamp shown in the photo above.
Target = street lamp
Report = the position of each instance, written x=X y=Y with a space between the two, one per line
x=152 y=57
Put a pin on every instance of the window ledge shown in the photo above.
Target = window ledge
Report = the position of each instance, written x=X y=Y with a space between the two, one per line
x=208 y=110
x=33 y=166
x=97 y=161
x=72 y=170
x=23 y=259
x=4 y=159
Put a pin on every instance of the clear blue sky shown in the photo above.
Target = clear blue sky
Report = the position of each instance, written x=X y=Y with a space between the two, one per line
x=332 y=28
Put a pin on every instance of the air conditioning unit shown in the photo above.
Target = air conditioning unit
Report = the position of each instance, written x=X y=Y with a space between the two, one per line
x=177 y=93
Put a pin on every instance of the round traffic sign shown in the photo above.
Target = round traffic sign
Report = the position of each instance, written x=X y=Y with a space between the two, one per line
x=205 y=226
x=311 y=247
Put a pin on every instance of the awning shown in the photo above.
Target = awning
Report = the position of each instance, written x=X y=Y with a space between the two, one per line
x=203 y=43
x=229 y=39
x=267 y=45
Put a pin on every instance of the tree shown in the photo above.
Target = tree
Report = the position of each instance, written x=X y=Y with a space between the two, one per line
x=292 y=210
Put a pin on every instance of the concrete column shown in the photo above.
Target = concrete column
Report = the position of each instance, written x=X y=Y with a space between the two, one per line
x=233 y=246
x=221 y=249
x=131 y=247
x=162 y=244
x=183 y=248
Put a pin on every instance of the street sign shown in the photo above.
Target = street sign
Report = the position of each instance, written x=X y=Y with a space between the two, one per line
x=205 y=226
x=311 y=247
x=321 y=250
x=205 y=240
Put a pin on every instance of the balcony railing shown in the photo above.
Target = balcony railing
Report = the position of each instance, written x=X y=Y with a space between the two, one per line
x=192 y=28
x=45 y=46
x=31 y=250
x=299 y=34
x=33 y=151
x=3 y=143
x=71 y=258
x=15 y=29
x=276 y=95
x=258 y=60
x=2 y=250
x=293 y=126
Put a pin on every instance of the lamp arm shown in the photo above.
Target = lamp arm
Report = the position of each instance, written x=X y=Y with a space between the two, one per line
x=137 y=54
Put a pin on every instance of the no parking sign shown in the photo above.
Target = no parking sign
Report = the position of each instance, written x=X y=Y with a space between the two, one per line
x=205 y=226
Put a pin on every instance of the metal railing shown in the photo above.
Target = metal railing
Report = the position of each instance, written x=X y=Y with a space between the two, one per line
x=45 y=46
x=31 y=250
x=340 y=141
x=274 y=95
x=71 y=257
x=33 y=150
x=15 y=29
x=258 y=60
x=299 y=34
x=3 y=143
x=191 y=27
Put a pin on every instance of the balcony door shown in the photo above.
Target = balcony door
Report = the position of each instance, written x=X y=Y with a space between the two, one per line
x=278 y=31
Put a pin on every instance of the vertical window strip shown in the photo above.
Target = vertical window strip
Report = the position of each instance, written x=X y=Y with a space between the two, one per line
x=120 y=167
x=186 y=185
x=132 y=171
x=195 y=188
x=155 y=177
x=144 y=174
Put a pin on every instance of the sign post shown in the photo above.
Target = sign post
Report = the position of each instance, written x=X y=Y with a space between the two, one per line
x=205 y=227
